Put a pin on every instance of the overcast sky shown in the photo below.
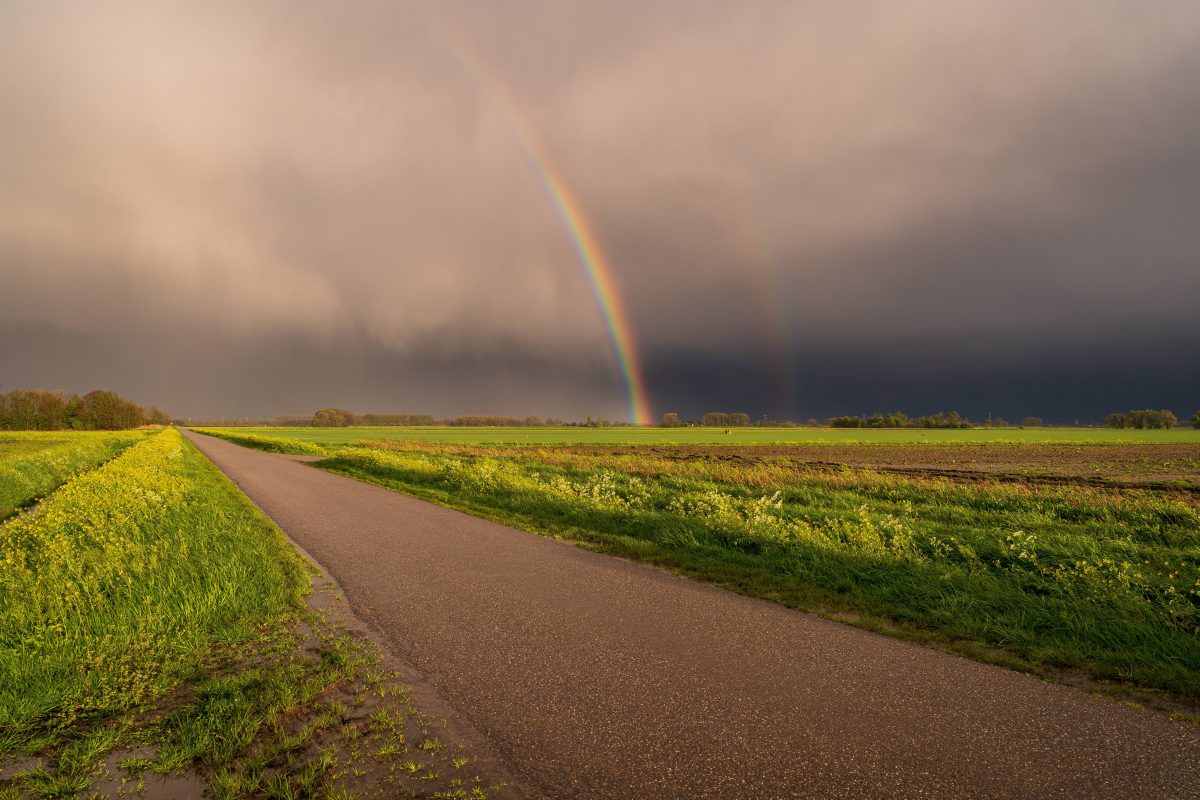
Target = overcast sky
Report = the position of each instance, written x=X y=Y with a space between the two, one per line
x=244 y=209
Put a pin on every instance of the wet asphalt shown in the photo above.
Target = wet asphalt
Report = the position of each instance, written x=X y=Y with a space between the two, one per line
x=592 y=677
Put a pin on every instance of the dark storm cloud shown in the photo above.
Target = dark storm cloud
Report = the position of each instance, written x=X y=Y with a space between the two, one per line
x=811 y=208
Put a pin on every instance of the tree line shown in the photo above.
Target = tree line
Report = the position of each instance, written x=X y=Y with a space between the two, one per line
x=340 y=418
x=896 y=419
x=37 y=410
x=1146 y=419
x=713 y=419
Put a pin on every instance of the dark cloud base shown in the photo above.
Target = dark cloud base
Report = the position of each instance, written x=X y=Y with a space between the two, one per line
x=291 y=375
x=1081 y=387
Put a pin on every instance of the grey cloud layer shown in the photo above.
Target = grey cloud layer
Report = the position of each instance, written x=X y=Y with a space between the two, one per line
x=294 y=196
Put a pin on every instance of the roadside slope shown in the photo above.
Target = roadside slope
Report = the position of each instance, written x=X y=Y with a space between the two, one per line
x=596 y=677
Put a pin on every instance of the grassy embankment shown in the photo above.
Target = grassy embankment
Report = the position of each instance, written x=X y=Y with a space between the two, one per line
x=731 y=436
x=269 y=444
x=154 y=624
x=34 y=464
x=1052 y=579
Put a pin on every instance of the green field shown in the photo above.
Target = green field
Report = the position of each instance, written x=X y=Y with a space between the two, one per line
x=733 y=436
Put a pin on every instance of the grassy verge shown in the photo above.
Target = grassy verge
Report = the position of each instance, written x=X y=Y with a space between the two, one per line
x=154 y=631
x=34 y=464
x=1052 y=579
x=269 y=444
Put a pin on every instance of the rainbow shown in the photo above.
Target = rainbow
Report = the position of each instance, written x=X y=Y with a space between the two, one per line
x=582 y=234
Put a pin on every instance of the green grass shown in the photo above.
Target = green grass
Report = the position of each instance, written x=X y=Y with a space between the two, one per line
x=1054 y=579
x=128 y=581
x=153 y=626
x=34 y=464
x=122 y=582
x=338 y=436
x=269 y=444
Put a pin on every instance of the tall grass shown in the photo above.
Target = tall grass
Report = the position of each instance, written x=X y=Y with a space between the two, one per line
x=34 y=464
x=152 y=627
x=1100 y=582
x=123 y=581
x=269 y=444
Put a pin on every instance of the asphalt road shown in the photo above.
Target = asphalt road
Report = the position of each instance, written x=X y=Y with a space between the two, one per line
x=593 y=677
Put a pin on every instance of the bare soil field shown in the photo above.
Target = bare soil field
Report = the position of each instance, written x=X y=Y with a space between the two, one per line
x=1166 y=465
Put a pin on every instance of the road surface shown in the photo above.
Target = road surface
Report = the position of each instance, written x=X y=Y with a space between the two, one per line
x=593 y=677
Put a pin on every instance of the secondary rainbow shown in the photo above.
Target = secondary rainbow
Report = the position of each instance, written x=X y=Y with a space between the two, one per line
x=758 y=262
x=580 y=231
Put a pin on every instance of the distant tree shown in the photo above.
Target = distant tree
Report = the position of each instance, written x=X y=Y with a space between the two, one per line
x=289 y=421
x=670 y=420
x=1000 y=422
x=1196 y=420
x=20 y=411
x=332 y=418
x=72 y=412
x=942 y=420
x=394 y=419
x=1032 y=422
x=108 y=411
x=1146 y=419
x=477 y=421
x=52 y=411
x=29 y=409
x=896 y=419
x=720 y=419
x=813 y=423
